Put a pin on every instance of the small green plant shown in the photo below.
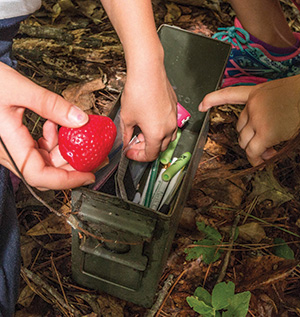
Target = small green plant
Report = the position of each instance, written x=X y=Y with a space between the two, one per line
x=282 y=250
x=208 y=248
x=222 y=302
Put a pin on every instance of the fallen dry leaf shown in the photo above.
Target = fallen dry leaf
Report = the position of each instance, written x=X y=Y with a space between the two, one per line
x=251 y=231
x=58 y=244
x=116 y=83
x=187 y=220
x=111 y=306
x=266 y=187
x=173 y=13
x=50 y=225
x=27 y=246
x=82 y=95
x=26 y=296
x=257 y=273
x=264 y=305
x=223 y=191
x=213 y=148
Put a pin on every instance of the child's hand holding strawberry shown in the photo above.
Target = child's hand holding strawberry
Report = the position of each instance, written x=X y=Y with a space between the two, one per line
x=40 y=163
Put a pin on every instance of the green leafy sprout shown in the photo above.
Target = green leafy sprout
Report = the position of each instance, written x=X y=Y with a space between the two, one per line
x=208 y=248
x=223 y=302
x=282 y=250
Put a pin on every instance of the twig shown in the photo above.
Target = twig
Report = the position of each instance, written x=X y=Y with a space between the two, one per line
x=250 y=209
x=59 y=281
x=32 y=287
x=207 y=272
x=52 y=291
x=227 y=256
x=270 y=224
x=38 y=267
x=161 y=295
x=169 y=293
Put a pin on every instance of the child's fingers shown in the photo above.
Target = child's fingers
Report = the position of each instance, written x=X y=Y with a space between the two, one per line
x=230 y=95
x=254 y=146
x=58 y=179
x=254 y=151
x=55 y=108
x=243 y=120
x=50 y=136
x=148 y=150
x=246 y=135
x=127 y=133
x=56 y=158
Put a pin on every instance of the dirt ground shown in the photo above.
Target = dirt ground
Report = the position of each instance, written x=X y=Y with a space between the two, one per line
x=70 y=47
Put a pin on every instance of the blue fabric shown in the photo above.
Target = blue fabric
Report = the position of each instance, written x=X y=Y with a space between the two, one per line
x=9 y=247
x=9 y=228
x=8 y=30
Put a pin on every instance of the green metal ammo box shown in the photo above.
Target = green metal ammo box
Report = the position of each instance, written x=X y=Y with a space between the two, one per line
x=130 y=259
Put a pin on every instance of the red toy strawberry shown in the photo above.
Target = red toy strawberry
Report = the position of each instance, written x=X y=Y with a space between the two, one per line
x=85 y=148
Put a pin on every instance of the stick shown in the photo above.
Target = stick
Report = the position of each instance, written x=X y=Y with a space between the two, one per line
x=161 y=295
x=169 y=293
x=52 y=291
x=227 y=256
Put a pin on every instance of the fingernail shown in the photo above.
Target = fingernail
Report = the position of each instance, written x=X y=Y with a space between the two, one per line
x=141 y=137
x=77 y=116
x=89 y=182
x=200 y=106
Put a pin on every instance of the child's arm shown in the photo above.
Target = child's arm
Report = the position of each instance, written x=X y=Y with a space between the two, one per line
x=148 y=100
x=271 y=114
x=41 y=164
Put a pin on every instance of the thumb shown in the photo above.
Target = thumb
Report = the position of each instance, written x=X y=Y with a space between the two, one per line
x=231 y=95
x=24 y=93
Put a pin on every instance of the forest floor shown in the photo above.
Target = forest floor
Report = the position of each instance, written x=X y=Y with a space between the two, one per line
x=70 y=47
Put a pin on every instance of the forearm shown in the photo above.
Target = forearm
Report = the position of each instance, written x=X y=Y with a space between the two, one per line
x=134 y=23
x=147 y=89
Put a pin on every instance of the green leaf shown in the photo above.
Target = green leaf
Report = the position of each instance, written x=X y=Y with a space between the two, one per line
x=238 y=306
x=236 y=234
x=200 y=307
x=203 y=294
x=210 y=233
x=222 y=294
x=282 y=250
x=207 y=249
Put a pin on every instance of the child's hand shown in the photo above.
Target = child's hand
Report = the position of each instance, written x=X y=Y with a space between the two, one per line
x=271 y=114
x=40 y=162
x=149 y=102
